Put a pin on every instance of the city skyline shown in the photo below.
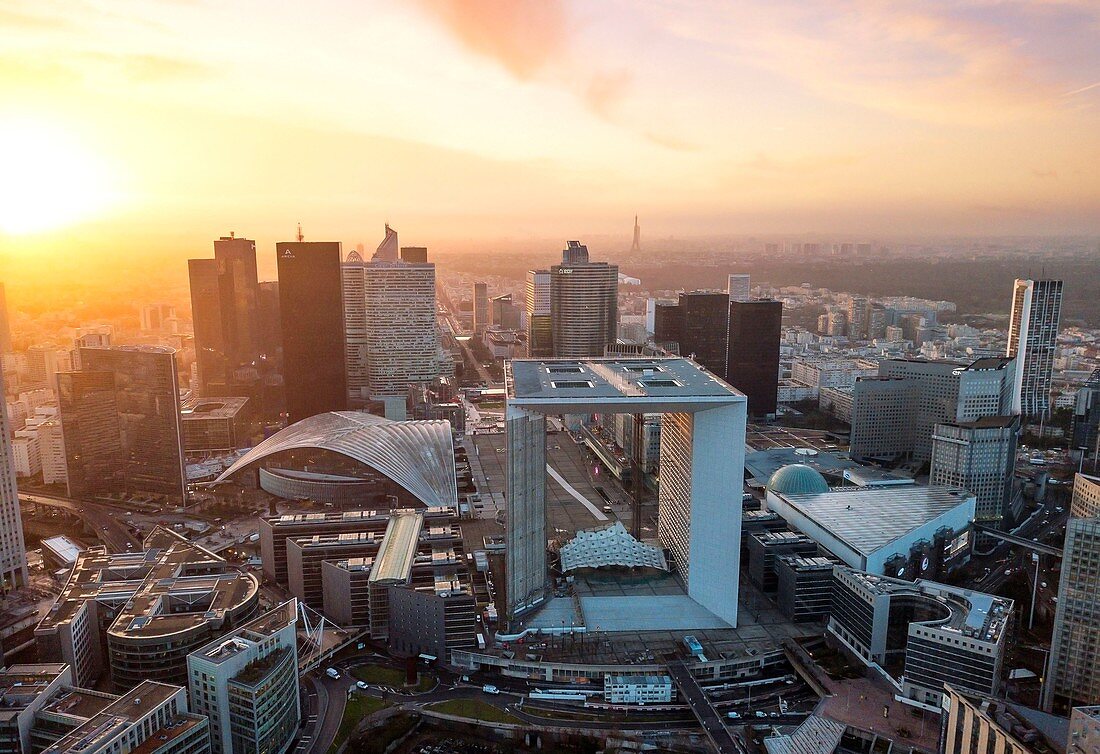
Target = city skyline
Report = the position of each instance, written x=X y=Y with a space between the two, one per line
x=168 y=132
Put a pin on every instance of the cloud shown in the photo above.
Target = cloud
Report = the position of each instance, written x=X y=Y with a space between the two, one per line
x=605 y=91
x=799 y=165
x=917 y=59
x=1082 y=90
x=523 y=36
x=1044 y=173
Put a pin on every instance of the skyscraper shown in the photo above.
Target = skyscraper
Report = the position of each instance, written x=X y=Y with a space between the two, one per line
x=584 y=305
x=311 y=312
x=737 y=286
x=1086 y=417
x=225 y=309
x=392 y=336
x=5 y=324
x=13 y=552
x=1032 y=339
x=120 y=417
x=636 y=244
x=1073 y=675
x=540 y=333
x=752 y=357
x=979 y=456
x=388 y=250
x=859 y=318
x=700 y=327
x=481 y=307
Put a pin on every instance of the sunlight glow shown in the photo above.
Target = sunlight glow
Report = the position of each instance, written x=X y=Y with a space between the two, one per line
x=47 y=180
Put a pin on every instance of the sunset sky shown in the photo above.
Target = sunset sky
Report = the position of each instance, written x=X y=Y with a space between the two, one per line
x=145 y=126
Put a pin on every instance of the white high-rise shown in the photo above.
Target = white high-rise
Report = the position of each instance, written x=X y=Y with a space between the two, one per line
x=1032 y=338
x=737 y=286
x=13 y=552
x=390 y=327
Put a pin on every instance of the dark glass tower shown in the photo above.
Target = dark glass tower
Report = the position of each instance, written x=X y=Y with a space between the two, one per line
x=312 y=314
x=752 y=357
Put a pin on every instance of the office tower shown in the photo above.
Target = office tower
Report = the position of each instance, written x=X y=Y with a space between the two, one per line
x=120 y=418
x=157 y=318
x=481 y=307
x=1032 y=339
x=388 y=250
x=271 y=326
x=752 y=360
x=392 y=337
x=876 y=324
x=414 y=254
x=311 y=313
x=5 y=323
x=893 y=415
x=584 y=304
x=1086 y=418
x=978 y=456
x=246 y=684
x=51 y=449
x=13 y=552
x=698 y=324
x=540 y=333
x=737 y=286
x=43 y=364
x=859 y=317
x=225 y=309
x=503 y=312
x=1073 y=673
x=636 y=244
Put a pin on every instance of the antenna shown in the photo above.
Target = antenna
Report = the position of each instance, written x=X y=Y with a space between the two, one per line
x=300 y=236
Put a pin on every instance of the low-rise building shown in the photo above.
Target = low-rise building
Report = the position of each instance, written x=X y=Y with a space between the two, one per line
x=908 y=531
x=216 y=425
x=246 y=683
x=637 y=689
x=805 y=587
x=921 y=635
x=148 y=609
x=24 y=689
x=1084 y=731
x=766 y=547
x=152 y=718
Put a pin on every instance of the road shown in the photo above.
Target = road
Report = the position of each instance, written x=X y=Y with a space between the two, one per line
x=709 y=718
x=102 y=520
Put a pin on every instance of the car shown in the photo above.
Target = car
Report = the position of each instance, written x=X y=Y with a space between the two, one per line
x=333 y=674
x=104 y=528
x=1058 y=509
x=362 y=685
x=733 y=716
x=1008 y=572
x=490 y=689
x=761 y=714
x=773 y=714
x=1043 y=585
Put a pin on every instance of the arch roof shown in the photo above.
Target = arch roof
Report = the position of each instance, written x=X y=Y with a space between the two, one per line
x=418 y=455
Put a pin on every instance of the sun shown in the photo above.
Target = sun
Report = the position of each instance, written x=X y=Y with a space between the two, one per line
x=48 y=180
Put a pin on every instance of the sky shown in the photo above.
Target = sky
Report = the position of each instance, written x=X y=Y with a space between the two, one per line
x=149 y=127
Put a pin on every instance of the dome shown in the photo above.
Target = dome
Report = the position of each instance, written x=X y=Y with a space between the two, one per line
x=797 y=479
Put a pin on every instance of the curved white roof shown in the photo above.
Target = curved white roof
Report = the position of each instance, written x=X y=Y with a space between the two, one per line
x=610 y=546
x=418 y=455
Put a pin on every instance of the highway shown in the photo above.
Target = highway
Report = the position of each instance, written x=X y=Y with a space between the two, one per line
x=102 y=520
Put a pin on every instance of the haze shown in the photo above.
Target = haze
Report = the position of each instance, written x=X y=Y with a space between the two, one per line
x=141 y=130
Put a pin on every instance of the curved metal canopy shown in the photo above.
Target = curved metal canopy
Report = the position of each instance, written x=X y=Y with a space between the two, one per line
x=418 y=455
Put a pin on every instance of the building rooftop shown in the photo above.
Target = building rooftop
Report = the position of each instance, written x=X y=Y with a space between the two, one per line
x=869 y=518
x=417 y=455
x=797 y=478
x=142 y=585
x=251 y=633
x=63 y=548
x=762 y=464
x=675 y=381
x=976 y=615
x=394 y=561
x=803 y=563
x=214 y=408
x=77 y=703
x=115 y=718
x=21 y=684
